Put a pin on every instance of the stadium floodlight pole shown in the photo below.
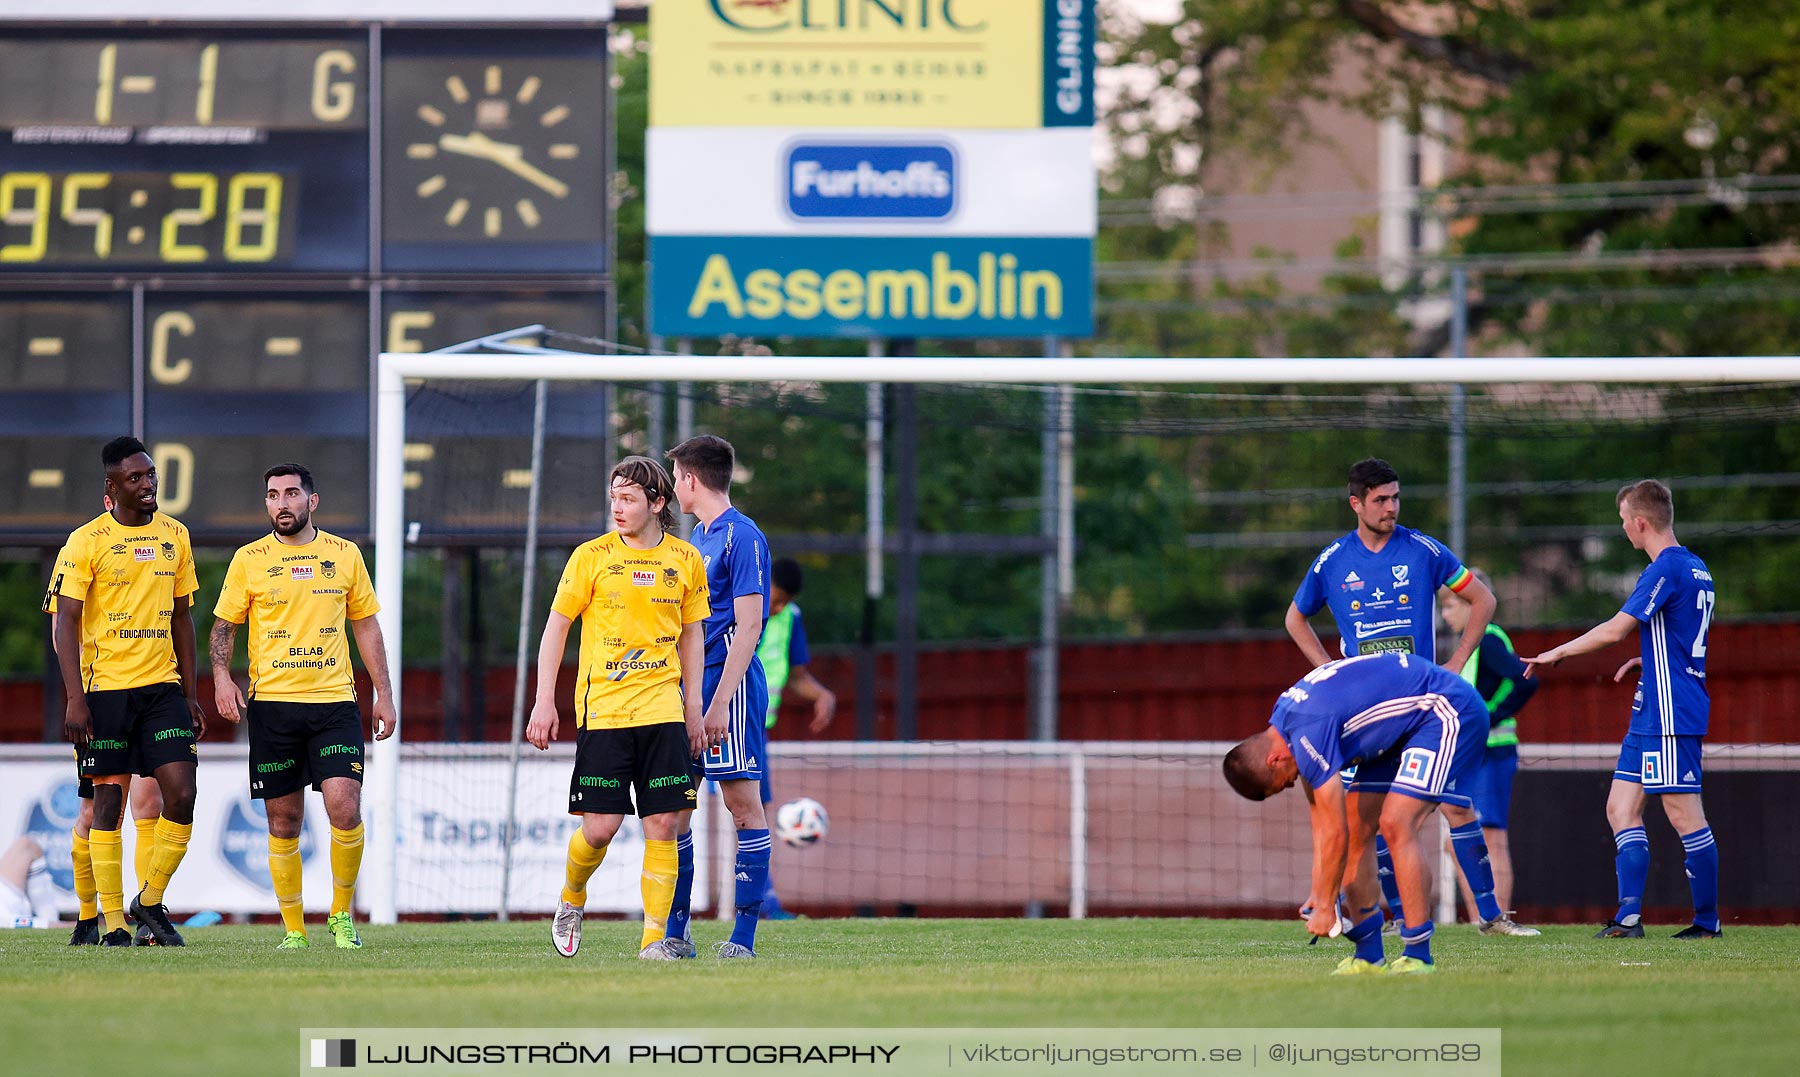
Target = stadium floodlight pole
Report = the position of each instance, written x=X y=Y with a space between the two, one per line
x=509 y=828
x=1459 y=529
x=684 y=424
x=874 y=528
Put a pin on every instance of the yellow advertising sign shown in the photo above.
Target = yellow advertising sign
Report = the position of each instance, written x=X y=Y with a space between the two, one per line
x=850 y=63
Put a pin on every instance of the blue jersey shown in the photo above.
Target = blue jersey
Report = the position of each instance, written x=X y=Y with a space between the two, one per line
x=1673 y=602
x=737 y=564
x=1358 y=709
x=1382 y=601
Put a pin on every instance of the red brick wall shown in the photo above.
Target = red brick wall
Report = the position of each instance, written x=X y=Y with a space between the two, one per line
x=1164 y=690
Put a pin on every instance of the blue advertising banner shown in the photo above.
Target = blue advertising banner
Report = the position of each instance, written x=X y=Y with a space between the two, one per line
x=871 y=181
x=912 y=286
x=1069 y=63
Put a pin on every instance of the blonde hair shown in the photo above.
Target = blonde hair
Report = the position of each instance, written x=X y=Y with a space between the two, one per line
x=1651 y=500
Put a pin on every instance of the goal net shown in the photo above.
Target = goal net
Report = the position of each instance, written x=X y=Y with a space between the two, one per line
x=1192 y=495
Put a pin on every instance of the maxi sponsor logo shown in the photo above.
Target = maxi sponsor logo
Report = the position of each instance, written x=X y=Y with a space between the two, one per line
x=907 y=181
x=953 y=287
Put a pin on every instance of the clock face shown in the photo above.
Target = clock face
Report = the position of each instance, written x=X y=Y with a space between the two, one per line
x=494 y=150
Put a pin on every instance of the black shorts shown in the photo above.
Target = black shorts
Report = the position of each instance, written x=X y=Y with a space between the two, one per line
x=293 y=745
x=137 y=730
x=651 y=760
x=84 y=785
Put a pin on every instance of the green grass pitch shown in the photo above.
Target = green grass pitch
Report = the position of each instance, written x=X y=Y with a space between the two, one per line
x=230 y=1003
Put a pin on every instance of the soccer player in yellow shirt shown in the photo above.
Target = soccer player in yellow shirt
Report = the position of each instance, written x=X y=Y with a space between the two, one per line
x=125 y=645
x=641 y=595
x=146 y=810
x=295 y=587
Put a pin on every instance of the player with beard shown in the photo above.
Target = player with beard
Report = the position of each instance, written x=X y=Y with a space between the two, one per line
x=296 y=587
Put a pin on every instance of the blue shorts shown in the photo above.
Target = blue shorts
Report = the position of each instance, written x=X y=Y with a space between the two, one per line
x=1660 y=764
x=740 y=755
x=1491 y=788
x=1436 y=763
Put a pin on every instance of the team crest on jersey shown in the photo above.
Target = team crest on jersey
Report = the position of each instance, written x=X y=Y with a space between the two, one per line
x=143 y=553
x=300 y=572
x=670 y=577
x=168 y=551
x=1415 y=767
x=642 y=578
x=328 y=569
x=1400 y=574
x=1653 y=772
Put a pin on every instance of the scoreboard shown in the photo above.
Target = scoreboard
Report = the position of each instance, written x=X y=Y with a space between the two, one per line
x=208 y=231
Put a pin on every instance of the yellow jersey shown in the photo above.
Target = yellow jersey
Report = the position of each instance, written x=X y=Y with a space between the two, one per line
x=127 y=580
x=632 y=605
x=296 y=599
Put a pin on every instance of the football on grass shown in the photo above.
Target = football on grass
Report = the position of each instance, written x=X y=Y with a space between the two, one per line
x=801 y=822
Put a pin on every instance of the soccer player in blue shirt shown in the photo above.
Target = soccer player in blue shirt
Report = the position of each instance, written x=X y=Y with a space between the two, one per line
x=1671 y=609
x=1410 y=728
x=1380 y=582
x=734 y=693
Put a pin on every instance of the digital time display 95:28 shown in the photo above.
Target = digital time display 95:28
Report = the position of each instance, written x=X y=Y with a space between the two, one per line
x=170 y=218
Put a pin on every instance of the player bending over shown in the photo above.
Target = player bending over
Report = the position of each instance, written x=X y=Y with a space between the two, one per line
x=1410 y=728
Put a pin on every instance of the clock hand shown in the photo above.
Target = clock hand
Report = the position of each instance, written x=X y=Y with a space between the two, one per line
x=507 y=156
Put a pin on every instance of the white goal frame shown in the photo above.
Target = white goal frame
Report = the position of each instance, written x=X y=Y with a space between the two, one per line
x=393 y=369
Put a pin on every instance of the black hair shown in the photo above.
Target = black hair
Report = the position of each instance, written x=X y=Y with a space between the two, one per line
x=1365 y=475
x=709 y=457
x=786 y=575
x=306 y=482
x=116 y=451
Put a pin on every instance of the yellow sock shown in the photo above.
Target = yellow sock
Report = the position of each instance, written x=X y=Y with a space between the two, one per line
x=658 y=887
x=84 y=875
x=584 y=860
x=171 y=846
x=146 y=846
x=346 y=861
x=107 y=852
x=284 y=869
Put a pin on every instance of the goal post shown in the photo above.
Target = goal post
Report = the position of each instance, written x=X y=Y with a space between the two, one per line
x=394 y=370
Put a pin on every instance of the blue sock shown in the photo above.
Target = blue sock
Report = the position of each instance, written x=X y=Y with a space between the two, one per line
x=1366 y=934
x=752 y=879
x=1390 y=884
x=1472 y=856
x=1633 y=866
x=1703 y=876
x=684 y=886
x=1418 y=941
